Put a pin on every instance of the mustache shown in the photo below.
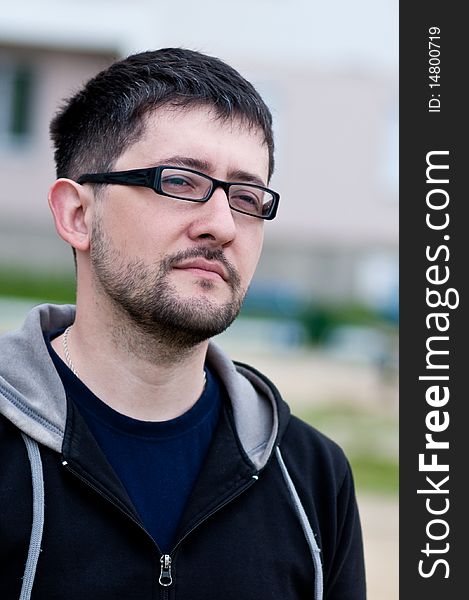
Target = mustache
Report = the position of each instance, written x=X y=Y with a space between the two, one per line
x=208 y=254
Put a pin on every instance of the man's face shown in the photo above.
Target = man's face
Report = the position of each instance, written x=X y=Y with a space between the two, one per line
x=181 y=269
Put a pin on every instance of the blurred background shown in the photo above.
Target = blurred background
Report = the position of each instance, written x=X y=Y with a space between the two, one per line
x=321 y=317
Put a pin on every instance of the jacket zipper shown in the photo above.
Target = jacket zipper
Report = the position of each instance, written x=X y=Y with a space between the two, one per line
x=215 y=510
x=106 y=497
x=165 y=574
x=165 y=579
x=109 y=499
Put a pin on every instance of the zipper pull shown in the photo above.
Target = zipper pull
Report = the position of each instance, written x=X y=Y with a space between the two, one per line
x=165 y=574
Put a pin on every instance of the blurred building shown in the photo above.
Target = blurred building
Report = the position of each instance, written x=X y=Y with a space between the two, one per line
x=336 y=235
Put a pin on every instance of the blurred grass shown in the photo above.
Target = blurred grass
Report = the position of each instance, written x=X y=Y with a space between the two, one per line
x=40 y=286
x=369 y=438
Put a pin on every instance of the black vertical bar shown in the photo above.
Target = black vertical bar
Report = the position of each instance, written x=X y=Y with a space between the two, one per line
x=434 y=354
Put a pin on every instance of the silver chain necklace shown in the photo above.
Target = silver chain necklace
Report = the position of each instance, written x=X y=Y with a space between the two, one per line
x=69 y=360
x=67 y=352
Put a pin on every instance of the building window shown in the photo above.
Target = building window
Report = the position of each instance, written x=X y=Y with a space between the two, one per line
x=16 y=91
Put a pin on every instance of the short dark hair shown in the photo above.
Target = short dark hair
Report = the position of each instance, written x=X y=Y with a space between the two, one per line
x=93 y=127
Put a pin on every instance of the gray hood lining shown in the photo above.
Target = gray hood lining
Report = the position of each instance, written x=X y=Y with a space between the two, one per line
x=36 y=402
x=254 y=408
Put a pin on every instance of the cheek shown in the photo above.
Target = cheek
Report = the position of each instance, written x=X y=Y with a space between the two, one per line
x=139 y=229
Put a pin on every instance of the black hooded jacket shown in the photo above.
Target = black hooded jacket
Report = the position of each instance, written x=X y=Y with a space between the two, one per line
x=273 y=513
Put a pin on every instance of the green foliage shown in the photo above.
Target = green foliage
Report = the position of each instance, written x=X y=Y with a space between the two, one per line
x=317 y=320
x=320 y=320
x=43 y=287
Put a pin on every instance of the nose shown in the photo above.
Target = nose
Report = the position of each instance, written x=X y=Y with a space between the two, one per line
x=214 y=220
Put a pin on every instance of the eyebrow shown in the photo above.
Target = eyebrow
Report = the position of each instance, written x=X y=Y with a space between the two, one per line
x=205 y=167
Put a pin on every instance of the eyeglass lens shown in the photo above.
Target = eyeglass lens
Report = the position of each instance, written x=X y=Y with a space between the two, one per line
x=244 y=197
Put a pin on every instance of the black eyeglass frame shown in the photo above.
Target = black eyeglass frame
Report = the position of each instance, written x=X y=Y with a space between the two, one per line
x=151 y=178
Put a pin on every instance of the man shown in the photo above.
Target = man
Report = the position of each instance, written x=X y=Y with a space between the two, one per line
x=137 y=460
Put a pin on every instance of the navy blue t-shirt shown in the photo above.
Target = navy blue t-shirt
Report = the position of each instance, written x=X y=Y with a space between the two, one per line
x=157 y=462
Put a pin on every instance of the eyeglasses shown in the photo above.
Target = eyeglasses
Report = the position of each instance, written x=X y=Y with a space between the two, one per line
x=186 y=184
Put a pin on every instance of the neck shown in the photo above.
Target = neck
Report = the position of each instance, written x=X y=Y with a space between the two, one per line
x=137 y=373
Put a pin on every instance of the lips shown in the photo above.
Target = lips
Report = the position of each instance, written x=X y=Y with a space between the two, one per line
x=208 y=267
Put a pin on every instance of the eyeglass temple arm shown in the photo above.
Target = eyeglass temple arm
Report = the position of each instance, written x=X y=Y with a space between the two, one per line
x=138 y=177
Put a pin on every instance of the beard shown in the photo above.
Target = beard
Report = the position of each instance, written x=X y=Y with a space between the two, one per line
x=146 y=296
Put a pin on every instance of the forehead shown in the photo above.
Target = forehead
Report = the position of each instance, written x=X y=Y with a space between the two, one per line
x=197 y=132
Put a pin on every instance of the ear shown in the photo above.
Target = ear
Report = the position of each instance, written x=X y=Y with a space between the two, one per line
x=70 y=205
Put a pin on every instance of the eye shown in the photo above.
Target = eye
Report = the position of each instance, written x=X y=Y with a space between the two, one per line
x=247 y=199
x=184 y=184
x=176 y=182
